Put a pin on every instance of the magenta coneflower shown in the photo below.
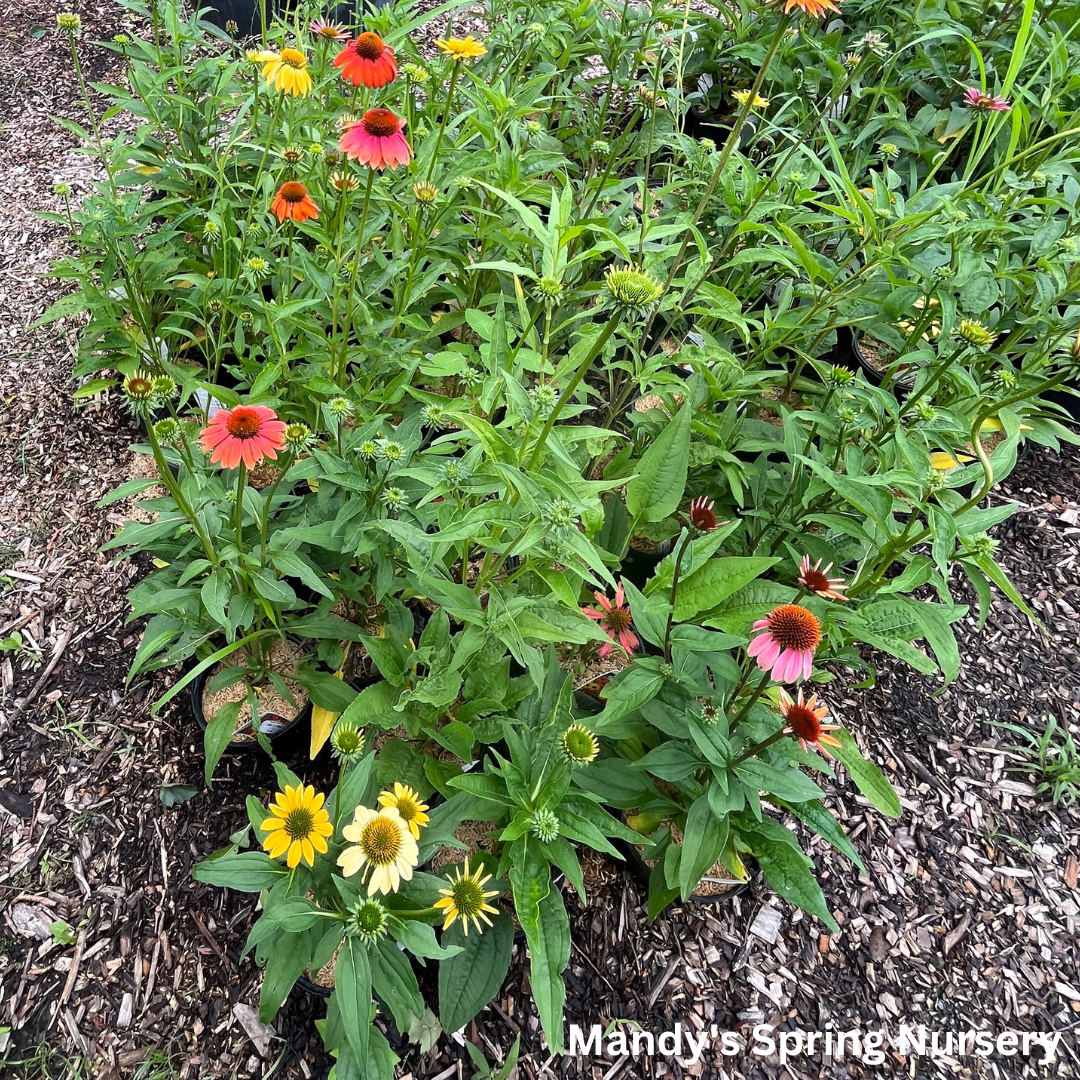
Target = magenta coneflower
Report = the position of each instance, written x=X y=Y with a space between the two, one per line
x=247 y=433
x=817 y=581
x=974 y=97
x=701 y=514
x=330 y=31
x=614 y=620
x=786 y=647
x=804 y=722
x=377 y=140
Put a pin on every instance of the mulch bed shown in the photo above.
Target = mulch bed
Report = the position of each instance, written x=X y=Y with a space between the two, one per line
x=969 y=916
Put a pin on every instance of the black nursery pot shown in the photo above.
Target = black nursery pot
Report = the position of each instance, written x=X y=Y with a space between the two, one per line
x=1069 y=402
x=641 y=871
x=247 y=14
x=900 y=384
x=273 y=727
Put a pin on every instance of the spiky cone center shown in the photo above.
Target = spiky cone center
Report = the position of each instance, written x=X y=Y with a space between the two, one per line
x=804 y=722
x=579 y=745
x=294 y=58
x=139 y=387
x=347 y=741
x=793 y=627
x=369 y=919
x=618 y=619
x=381 y=842
x=468 y=896
x=701 y=515
x=369 y=45
x=243 y=423
x=299 y=823
x=381 y=123
x=293 y=192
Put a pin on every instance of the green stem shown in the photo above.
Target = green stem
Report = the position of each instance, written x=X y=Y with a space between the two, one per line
x=445 y=117
x=758 y=747
x=241 y=483
x=674 y=592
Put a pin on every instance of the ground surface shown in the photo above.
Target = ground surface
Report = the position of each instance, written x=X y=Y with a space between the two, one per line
x=969 y=916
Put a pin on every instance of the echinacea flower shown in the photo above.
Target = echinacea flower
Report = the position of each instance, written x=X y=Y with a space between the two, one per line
x=743 y=96
x=579 y=745
x=331 y=31
x=377 y=140
x=702 y=516
x=466 y=899
x=817 y=581
x=298 y=824
x=293 y=201
x=974 y=97
x=804 y=722
x=786 y=646
x=614 y=619
x=814 y=8
x=407 y=803
x=382 y=840
x=246 y=433
x=367 y=921
x=367 y=61
x=287 y=71
x=462 y=50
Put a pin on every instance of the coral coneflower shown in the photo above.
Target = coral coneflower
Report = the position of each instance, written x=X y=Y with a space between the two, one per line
x=298 y=824
x=974 y=97
x=381 y=840
x=817 y=581
x=247 y=433
x=814 y=8
x=614 y=619
x=786 y=647
x=804 y=722
x=466 y=899
x=293 y=201
x=701 y=514
x=367 y=61
x=461 y=50
x=287 y=71
x=407 y=803
x=331 y=31
x=377 y=140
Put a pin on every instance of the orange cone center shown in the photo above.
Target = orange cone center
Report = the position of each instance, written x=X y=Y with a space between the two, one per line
x=381 y=123
x=243 y=423
x=369 y=46
x=793 y=627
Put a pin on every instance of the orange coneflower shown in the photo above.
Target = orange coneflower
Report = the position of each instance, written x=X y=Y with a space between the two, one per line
x=814 y=8
x=293 y=201
x=367 y=61
x=246 y=433
x=804 y=722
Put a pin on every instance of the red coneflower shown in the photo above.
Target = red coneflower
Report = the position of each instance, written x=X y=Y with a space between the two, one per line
x=786 y=648
x=377 y=140
x=614 y=619
x=367 y=61
x=247 y=433
x=804 y=722
x=974 y=97
x=817 y=581
x=293 y=201
x=701 y=514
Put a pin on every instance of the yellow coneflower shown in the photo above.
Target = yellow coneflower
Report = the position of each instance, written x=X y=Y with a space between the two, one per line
x=742 y=96
x=407 y=803
x=298 y=825
x=287 y=71
x=466 y=899
x=462 y=50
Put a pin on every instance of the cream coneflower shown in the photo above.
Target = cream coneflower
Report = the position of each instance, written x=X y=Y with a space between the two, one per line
x=466 y=899
x=804 y=722
x=382 y=841
x=298 y=825
x=791 y=635
x=407 y=803
x=287 y=71
x=817 y=581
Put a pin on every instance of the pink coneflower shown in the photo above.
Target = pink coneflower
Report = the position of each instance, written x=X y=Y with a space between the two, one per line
x=804 y=722
x=367 y=61
x=614 y=620
x=701 y=514
x=786 y=648
x=247 y=433
x=377 y=140
x=817 y=581
x=974 y=97
x=330 y=31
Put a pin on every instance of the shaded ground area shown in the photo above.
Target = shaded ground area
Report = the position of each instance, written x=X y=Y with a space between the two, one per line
x=968 y=916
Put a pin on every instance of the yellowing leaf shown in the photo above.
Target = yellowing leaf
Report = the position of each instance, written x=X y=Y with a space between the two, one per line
x=322 y=723
x=992 y=423
x=944 y=462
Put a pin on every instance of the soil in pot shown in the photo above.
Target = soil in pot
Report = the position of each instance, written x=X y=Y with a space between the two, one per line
x=878 y=360
x=276 y=714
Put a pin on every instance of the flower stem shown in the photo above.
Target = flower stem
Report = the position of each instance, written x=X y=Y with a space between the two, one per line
x=758 y=747
x=241 y=483
x=674 y=592
x=442 y=124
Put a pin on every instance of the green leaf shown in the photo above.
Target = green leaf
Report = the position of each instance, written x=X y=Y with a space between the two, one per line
x=352 y=994
x=657 y=490
x=703 y=841
x=219 y=732
x=788 y=870
x=787 y=783
x=392 y=978
x=715 y=582
x=867 y=776
x=177 y=794
x=824 y=824
x=247 y=871
x=469 y=980
x=286 y=962
x=419 y=939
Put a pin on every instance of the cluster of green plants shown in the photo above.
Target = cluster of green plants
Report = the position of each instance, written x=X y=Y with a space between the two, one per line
x=507 y=407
